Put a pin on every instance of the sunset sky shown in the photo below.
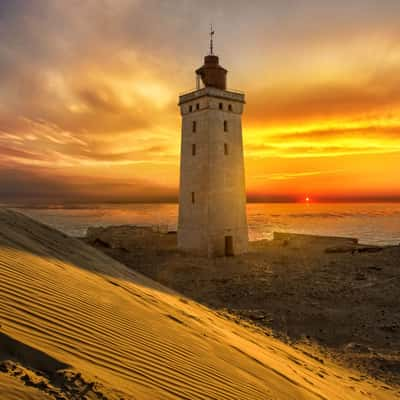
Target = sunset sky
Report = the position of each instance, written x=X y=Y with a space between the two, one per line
x=89 y=91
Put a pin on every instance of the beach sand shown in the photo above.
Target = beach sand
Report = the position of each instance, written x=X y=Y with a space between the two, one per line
x=76 y=324
x=324 y=292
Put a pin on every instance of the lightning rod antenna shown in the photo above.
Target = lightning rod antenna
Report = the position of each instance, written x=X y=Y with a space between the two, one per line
x=212 y=33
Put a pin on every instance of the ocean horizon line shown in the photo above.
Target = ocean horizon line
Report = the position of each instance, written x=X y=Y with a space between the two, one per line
x=73 y=205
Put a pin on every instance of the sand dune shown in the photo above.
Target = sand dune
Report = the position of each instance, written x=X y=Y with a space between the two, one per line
x=76 y=324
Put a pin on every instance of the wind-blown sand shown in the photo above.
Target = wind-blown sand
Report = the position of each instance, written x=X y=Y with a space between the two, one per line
x=76 y=324
x=326 y=292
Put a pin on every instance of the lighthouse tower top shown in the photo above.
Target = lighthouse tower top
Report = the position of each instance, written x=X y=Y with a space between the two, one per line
x=213 y=78
x=211 y=73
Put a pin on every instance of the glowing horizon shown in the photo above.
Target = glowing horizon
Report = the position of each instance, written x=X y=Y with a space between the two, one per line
x=88 y=104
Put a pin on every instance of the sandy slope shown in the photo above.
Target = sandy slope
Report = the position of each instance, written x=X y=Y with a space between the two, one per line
x=309 y=290
x=15 y=389
x=79 y=325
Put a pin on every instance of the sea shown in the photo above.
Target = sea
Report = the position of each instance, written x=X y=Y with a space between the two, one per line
x=371 y=223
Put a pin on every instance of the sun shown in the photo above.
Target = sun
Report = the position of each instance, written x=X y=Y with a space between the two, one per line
x=307 y=199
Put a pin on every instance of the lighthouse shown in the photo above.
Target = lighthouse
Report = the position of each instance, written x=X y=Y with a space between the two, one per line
x=212 y=200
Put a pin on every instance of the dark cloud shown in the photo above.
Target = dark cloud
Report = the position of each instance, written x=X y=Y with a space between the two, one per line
x=7 y=152
x=256 y=197
x=362 y=132
x=140 y=154
x=101 y=102
x=318 y=150
x=22 y=186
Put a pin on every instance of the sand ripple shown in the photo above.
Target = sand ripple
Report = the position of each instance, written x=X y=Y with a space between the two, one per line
x=132 y=338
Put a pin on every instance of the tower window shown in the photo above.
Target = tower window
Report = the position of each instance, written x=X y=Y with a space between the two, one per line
x=226 y=149
x=197 y=106
x=221 y=106
x=194 y=126
x=225 y=126
x=190 y=108
x=230 y=107
x=193 y=198
x=193 y=149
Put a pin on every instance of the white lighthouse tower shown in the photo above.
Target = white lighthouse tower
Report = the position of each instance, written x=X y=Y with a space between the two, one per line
x=212 y=199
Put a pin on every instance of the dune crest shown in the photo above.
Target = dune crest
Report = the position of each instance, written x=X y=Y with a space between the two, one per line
x=78 y=323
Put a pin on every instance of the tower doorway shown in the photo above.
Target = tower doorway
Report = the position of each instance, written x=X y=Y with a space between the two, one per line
x=229 y=246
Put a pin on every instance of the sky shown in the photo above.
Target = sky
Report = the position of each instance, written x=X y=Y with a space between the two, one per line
x=89 y=92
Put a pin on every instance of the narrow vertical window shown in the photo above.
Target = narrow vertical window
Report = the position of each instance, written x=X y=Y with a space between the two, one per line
x=221 y=106
x=226 y=149
x=193 y=198
x=197 y=106
x=190 y=108
x=230 y=107
x=194 y=126
x=193 y=149
x=225 y=126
